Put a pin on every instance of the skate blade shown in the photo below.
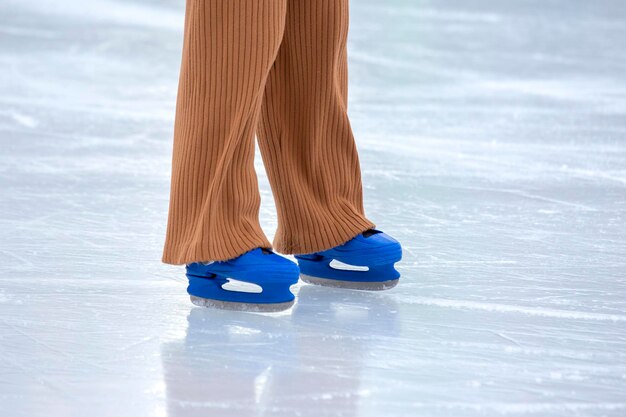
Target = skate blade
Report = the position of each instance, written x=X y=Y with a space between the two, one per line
x=351 y=285
x=234 y=306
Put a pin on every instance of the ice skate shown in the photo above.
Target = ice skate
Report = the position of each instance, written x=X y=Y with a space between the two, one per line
x=218 y=284
x=364 y=263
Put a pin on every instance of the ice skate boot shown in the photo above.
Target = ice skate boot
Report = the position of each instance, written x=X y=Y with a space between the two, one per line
x=364 y=263
x=220 y=284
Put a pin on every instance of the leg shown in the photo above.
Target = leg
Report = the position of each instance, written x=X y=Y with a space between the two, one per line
x=311 y=158
x=304 y=133
x=229 y=49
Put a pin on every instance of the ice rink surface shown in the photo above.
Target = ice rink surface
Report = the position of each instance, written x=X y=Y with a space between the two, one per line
x=493 y=145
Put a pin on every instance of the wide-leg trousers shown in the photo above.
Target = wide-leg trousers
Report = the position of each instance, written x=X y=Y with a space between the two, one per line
x=276 y=69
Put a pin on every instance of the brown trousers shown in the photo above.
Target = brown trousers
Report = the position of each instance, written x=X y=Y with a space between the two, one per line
x=277 y=69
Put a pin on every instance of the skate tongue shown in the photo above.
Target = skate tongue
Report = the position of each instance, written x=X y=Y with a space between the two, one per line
x=370 y=232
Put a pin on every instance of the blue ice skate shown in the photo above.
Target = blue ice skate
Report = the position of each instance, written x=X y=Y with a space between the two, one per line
x=211 y=284
x=364 y=263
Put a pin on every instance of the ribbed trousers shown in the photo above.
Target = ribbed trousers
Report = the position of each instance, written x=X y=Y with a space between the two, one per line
x=277 y=69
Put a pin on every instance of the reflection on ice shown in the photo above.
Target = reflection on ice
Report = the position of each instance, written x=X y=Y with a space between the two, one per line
x=307 y=363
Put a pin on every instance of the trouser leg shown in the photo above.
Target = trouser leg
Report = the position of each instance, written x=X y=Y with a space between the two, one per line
x=229 y=48
x=304 y=132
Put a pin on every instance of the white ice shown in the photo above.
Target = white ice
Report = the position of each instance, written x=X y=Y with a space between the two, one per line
x=492 y=137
